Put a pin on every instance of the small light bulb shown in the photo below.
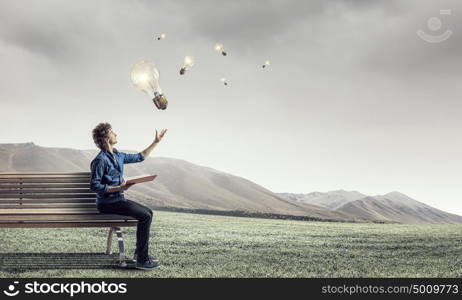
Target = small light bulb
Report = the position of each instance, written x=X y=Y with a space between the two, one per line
x=187 y=63
x=224 y=81
x=267 y=63
x=161 y=36
x=220 y=48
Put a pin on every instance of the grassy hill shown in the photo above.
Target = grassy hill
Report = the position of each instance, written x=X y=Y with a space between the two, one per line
x=192 y=245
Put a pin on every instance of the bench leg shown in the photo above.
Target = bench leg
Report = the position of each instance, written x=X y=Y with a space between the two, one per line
x=109 y=241
x=120 y=240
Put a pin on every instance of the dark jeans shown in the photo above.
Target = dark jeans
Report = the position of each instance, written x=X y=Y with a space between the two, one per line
x=140 y=212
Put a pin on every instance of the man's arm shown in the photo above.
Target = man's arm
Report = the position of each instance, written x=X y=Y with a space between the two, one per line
x=146 y=152
x=97 y=172
x=132 y=158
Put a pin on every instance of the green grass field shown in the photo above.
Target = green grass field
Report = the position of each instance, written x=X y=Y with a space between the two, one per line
x=192 y=245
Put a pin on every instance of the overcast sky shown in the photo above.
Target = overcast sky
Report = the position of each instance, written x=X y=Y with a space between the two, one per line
x=353 y=99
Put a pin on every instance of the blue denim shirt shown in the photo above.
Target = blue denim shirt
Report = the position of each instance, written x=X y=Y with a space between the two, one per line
x=107 y=169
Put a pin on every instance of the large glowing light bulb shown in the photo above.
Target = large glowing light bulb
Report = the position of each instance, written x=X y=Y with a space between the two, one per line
x=145 y=77
x=220 y=48
x=187 y=63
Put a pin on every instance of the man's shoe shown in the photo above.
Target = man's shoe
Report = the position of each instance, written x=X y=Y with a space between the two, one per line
x=147 y=265
x=152 y=258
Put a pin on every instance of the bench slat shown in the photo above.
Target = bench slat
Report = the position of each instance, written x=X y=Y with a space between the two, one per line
x=35 y=201
x=49 y=211
x=76 y=217
x=44 y=177
x=45 y=186
x=45 y=196
x=44 y=173
x=45 y=180
x=43 y=191
x=55 y=175
x=47 y=205
x=128 y=223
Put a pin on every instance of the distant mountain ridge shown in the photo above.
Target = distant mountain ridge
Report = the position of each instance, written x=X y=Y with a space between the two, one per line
x=333 y=199
x=391 y=207
x=184 y=185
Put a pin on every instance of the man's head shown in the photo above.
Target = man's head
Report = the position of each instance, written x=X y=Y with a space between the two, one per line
x=103 y=136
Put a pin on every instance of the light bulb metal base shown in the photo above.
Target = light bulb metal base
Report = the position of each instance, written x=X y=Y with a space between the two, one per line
x=224 y=53
x=182 y=71
x=160 y=101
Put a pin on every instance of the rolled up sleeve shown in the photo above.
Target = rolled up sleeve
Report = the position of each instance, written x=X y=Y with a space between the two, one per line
x=132 y=158
x=97 y=172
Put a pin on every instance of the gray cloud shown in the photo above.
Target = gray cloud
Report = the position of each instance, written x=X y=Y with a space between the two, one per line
x=54 y=30
x=248 y=23
x=398 y=51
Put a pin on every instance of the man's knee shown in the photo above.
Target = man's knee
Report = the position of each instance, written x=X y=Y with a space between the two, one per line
x=145 y=217
x=151 y=214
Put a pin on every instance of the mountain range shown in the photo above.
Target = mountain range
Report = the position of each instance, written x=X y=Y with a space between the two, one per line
x=184 y=185
x=391 y=207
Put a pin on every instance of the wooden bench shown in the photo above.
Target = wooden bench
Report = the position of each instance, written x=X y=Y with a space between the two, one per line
x=33 y=200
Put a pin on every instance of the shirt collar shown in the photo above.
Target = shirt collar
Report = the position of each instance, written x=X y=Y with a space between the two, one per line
x=114 y=151
x=111 y=156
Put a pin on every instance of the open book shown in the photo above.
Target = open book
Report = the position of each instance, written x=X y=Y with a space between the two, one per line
x=139 y=178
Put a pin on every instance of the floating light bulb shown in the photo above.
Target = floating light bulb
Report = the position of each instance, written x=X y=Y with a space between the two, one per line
x=161 y=36
x=220 y=48
x=224 y=81
x=145 y=77
x=188 y=63
x=267 y=63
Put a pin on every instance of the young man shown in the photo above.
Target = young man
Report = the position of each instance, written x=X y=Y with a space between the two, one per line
x=107 y=173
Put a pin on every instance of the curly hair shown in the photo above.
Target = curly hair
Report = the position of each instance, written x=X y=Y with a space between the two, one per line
x=100 y=133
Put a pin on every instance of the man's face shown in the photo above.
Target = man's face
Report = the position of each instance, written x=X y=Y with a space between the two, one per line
x=112 y=137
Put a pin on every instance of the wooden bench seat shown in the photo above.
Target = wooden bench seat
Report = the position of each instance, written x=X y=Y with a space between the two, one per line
x=41 y=200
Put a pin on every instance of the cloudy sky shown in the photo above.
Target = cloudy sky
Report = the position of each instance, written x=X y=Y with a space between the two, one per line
x=354 y=99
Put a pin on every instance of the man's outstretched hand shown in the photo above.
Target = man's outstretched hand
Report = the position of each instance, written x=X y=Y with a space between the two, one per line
x=160 y=135
x=151 y=147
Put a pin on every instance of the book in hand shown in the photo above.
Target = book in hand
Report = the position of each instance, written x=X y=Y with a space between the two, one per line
x=139 y=179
